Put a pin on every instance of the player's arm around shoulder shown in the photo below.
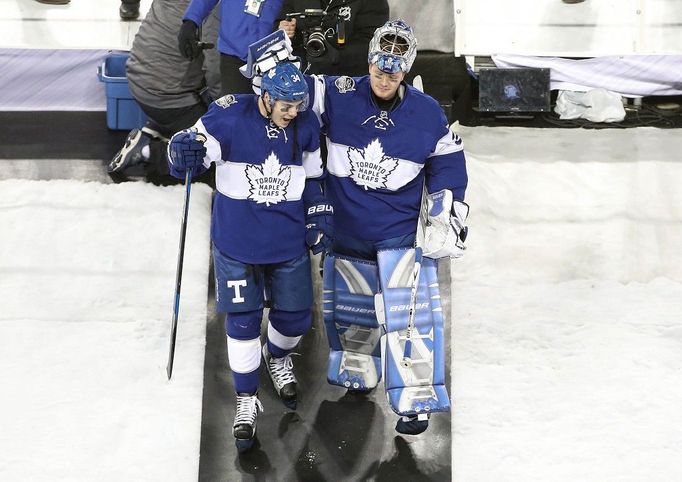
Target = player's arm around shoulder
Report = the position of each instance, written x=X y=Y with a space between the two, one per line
x=317 y=88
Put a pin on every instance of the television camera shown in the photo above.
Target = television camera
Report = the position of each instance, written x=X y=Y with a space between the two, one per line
x=311 y=22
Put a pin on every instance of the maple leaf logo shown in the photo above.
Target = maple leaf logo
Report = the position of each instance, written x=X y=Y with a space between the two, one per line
x=370 y=167
x=269 y=181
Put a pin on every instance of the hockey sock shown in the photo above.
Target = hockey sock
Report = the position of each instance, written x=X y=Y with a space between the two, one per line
x=286 y=329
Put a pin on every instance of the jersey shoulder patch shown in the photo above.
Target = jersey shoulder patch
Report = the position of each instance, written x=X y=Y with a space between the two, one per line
x=345 y=84
x=226 y=101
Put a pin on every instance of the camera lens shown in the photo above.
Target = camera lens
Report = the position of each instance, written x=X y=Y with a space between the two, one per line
x=315 y=46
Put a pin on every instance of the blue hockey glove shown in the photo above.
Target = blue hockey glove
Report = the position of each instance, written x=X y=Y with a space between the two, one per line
x=188 y=40
x=319 y=225
x=186 y=149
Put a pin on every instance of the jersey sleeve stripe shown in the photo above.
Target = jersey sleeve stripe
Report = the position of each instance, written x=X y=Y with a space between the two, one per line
x=447 y=144
x=312 y=163
x=213 y=151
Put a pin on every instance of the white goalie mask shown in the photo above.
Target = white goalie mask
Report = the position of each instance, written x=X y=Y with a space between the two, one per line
x=393 y=47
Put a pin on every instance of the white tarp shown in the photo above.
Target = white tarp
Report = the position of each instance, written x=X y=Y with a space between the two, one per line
x=627 y=75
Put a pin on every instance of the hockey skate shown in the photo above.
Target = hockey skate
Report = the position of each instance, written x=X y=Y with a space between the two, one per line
x=412 y=425
x=281 y=371
x=244 y=428
x=132 y=157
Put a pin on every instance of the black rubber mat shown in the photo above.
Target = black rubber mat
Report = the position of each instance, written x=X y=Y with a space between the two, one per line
x=58 y=135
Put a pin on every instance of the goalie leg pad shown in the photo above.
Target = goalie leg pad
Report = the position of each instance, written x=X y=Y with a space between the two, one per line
x=349 y=285
x=420 y=387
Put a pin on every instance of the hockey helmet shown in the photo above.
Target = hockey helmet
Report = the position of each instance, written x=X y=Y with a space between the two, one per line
x=285 y=82
x=393 y=47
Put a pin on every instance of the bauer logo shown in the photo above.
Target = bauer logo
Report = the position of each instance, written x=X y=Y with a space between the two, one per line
x=418 y=306
x=354 y=309
x=269 y=181
x=370 y=167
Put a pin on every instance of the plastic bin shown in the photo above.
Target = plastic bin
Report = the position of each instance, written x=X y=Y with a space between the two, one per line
x=123 y=111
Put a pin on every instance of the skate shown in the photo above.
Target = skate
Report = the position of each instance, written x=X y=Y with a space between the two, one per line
x=281 y=371
x=412 y=425
x=244 y=428
x=132 y=155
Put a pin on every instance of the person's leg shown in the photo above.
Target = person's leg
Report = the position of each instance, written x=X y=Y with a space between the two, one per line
x=232 y=81
x=239 y=293
x=135 y=157
x=129 y=9
x=290 y=289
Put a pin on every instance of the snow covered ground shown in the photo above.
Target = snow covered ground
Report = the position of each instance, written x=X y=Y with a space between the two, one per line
x=87 y=276
x=567 y=334
x=567 y=338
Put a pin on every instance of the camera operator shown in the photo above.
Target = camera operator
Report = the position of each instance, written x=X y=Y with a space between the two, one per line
x=332 y=36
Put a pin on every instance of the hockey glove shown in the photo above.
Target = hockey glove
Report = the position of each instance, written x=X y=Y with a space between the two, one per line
x=186 y=149
x=188 y=40
x=319 y=226
x=445 y=231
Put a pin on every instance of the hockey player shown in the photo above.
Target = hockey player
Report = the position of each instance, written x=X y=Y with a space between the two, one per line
x=268 y=208
x=386 y=141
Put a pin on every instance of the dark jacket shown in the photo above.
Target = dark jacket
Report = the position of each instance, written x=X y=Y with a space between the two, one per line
x=363 y=18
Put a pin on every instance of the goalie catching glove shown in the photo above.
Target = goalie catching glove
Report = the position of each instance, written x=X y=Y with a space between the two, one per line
x=445 y=231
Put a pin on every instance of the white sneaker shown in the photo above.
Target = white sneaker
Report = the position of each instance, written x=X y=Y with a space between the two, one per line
x=281 y=371
x=244 y=427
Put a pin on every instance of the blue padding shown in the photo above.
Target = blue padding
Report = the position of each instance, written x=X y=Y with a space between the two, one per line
x=244 y=326
x=345 y=296
x=421 y=387
x=291 y=323
x=353 y=332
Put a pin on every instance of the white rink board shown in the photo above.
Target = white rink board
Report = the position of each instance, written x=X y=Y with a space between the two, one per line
x=591 y=28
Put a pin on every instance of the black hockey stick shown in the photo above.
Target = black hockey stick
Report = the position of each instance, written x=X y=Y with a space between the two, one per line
x=178 y=274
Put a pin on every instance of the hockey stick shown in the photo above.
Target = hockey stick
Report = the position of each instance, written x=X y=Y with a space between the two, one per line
x=178 y=274
x=418 y=252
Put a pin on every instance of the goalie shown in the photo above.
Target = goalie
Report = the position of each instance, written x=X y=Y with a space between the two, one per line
x=388 y=143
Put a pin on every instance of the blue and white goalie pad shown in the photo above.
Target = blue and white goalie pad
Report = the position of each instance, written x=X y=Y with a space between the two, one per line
x=418 y=386
x=349 y=286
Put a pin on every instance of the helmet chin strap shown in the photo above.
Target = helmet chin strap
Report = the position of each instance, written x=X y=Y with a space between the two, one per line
x=265 y=106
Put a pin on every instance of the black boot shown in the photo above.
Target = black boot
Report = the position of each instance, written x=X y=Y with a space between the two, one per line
x=129 y=11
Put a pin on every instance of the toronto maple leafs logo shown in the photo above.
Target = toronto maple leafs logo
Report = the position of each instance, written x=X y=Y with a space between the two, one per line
x=344 y=84
x=370 y=167
x=269 y=181
x=226 y=101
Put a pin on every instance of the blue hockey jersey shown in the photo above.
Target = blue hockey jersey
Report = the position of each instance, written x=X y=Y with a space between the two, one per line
x=377 y=160
x=262 y=172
